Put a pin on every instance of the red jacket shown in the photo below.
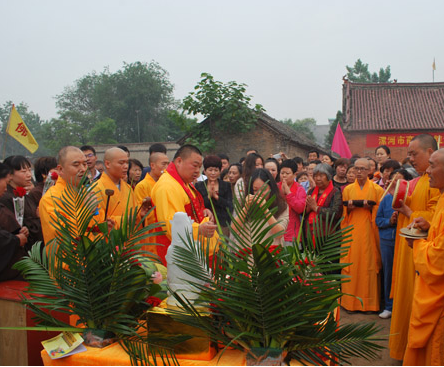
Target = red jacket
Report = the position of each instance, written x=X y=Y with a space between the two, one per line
x=296 y=204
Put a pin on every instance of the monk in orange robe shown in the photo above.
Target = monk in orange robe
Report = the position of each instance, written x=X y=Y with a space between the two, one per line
x=158 y=164
x=174 y=192
x=426 y=329
x=421 y=203
x=116 y=165
x=71 y=167
x=363 y=253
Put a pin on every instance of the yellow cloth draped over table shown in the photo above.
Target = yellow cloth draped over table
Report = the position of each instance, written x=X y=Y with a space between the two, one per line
x=422 y=202
x=118 y=201
x=426 y=332
x=143 y=189
x=114 y=355
x=364 y=250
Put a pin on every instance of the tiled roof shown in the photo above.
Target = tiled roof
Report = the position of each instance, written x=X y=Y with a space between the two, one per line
x=393 y=106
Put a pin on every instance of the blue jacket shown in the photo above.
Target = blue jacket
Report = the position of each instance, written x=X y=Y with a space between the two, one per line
x=387 y=231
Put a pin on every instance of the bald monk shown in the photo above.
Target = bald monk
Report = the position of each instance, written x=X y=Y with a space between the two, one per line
x=116 y=167
x=363 y=253
x=174 y=192
x=71 y=166
x=158 y=164
x=426 y=328
x=421 y=203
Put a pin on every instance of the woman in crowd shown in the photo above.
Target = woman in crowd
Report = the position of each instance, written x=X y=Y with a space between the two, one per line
x=42 y=167
x=328 y=159
x=216 y=190
x=135 y=168
x=382 y=154
x=294 y=195
x=387 y=168
x=251 y=163
x=272 y=166
x=350 y=175
x=325 y=200
x=340 y=178
x=262 y=188
x=20 y=178
x=234 y=173
x=373 y=169
x=12 y=237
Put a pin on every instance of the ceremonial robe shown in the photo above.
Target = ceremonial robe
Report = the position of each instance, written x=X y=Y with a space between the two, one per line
x=118 y=201
x=143 y=189
x=363 y=253
x=426 y=329
x=170 y=197
x=422 y=202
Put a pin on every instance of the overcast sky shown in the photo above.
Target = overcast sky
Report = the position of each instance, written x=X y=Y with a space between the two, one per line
x=291 y=54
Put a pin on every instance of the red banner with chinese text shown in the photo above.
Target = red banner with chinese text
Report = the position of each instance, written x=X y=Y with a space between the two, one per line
x=398 y=140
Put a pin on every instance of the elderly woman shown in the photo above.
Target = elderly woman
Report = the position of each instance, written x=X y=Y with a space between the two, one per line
x=214 y=190
x=324 y=200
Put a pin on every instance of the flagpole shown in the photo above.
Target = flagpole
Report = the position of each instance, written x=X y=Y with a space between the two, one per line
x=6 y=134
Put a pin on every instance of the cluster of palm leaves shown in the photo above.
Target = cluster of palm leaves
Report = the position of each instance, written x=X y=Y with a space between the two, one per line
x=262 y=296
x=103 y=277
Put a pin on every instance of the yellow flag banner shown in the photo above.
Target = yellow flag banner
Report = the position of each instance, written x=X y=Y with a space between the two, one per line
x=20 y=132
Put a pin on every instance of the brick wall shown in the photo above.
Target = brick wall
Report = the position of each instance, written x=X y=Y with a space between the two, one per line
x=264 y=140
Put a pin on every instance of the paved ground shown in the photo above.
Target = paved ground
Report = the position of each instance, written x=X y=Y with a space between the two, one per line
x=384 y=356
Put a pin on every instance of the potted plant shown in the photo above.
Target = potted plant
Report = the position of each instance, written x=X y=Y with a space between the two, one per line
x=274 y=303
x=101 y=276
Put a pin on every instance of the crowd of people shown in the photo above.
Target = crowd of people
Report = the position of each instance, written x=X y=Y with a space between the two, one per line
x=360 y=190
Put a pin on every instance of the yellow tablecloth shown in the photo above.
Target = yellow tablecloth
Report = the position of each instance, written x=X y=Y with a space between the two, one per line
x=114 y=355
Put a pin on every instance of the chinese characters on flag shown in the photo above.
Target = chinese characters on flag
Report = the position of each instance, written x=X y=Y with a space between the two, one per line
x=20 y=132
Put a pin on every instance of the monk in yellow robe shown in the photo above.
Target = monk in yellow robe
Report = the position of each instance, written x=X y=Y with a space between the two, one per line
x=426 y=329
x=174 y=192
x=158 y=164
x=363 y=253
x=116 y=165
x=421 y=203
x=71 y=167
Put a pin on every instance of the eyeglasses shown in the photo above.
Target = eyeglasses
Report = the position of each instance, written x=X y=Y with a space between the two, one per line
x=90 y=155
x=359 y=169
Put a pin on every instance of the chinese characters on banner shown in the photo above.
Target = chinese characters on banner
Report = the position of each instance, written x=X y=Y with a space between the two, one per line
x=398 y=140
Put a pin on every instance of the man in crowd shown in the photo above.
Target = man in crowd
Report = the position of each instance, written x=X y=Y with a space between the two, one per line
x=363 y=197
x=426 y=328
x=91 y=159
x=174 y=192
x=71 y=166
x=313 y=155
x=421 y=203
x=158 y=164
x=225 y=161
x=155 y=148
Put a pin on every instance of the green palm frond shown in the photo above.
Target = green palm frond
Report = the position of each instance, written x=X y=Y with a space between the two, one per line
x=282 y=298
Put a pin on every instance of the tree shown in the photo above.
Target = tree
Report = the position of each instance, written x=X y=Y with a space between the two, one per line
x=304 y=126
x=137 y=98
x=359 y=73
x=226 y=105
x=332 y=130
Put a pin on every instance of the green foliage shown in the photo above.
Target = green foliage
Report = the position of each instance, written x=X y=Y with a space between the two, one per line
x=305 y=126
x=226 y=105
x=331 y=132
x=137 y=98
x=260 y=296
x=359 y=73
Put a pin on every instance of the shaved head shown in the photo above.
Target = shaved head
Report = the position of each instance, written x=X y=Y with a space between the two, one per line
x=112 y=153
x=61 y=156
x=426 y=141
x=440 y=155
x=363 y=161
x=157 y=156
